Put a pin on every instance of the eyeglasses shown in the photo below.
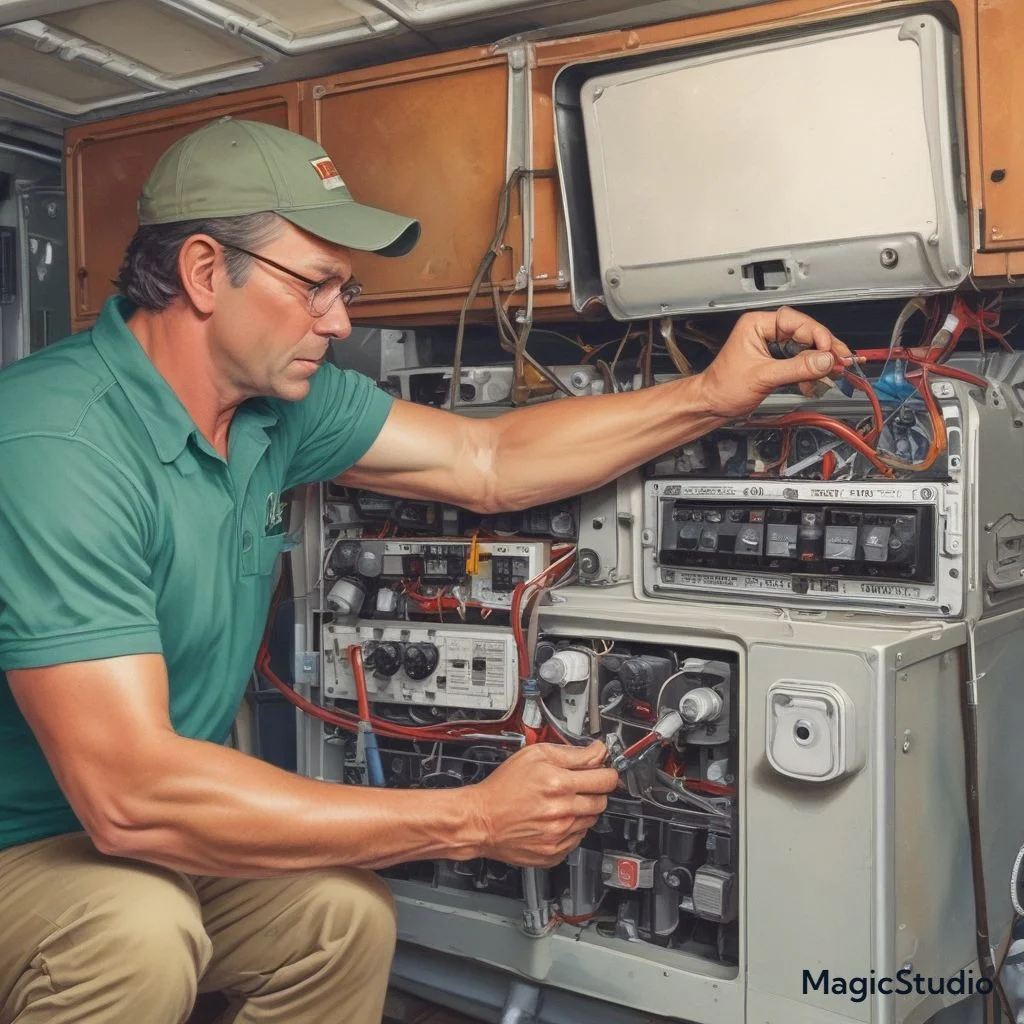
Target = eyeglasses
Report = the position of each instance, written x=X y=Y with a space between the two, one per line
x=322 y=294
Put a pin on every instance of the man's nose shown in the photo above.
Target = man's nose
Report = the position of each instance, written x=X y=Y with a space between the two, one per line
x=335 y=323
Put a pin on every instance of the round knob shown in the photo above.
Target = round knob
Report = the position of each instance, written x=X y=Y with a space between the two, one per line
x=565 y=667
x=419 y=660
x=700 y=705
x=386 y=658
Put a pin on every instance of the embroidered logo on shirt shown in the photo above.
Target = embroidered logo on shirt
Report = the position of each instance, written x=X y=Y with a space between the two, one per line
x=327 y=172
x=275 y=512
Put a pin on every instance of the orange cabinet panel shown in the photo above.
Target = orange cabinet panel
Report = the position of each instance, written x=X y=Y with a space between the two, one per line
x=425 y=138
x=106 y=165
x=1000 y=33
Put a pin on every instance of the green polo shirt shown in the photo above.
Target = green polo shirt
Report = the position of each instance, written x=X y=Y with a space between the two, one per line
x=122 y=531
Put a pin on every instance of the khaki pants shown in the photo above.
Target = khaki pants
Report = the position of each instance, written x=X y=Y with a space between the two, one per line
x=96 y=939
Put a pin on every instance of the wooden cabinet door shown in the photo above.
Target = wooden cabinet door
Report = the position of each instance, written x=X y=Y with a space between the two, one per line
x=425 y=138
x=1001 y=73
x=107 y=164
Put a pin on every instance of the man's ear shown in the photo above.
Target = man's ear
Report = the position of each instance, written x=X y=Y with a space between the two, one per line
x=198 y=261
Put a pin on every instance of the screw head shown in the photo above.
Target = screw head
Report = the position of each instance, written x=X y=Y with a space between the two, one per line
x=889 y=258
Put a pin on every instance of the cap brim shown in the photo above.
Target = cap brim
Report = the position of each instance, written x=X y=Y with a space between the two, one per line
x=359 y=227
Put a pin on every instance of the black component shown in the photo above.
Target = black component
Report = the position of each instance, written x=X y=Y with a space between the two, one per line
x=419 y=660
x=642 y=675
x=549 y=521
x=386 y=658
x=768 y=276
x=542 y=652
x=719 y=849
x=418 y=515
x=589 y=563
x=507 y=572
x=768 y=446
x=8 y=265
x=683 y=844
x=810 y=534
x=786 y=349
x=858 y=541
x=436 y=563
x=345 y=556
x=374 y=506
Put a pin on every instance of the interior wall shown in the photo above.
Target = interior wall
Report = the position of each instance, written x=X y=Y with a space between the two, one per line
x=15 y=168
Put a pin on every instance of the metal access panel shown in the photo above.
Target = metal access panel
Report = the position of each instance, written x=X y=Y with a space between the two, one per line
x=42 y=228
x=822 y=166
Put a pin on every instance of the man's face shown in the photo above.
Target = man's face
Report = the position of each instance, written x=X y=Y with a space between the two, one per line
x=266 y=337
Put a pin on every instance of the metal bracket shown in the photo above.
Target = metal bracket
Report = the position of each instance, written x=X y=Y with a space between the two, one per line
x=519 y=153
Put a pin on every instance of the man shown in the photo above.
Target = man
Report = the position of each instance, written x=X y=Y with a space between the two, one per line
x=141 y=860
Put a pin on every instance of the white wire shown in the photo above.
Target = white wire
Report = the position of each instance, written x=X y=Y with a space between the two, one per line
x=1015 y=882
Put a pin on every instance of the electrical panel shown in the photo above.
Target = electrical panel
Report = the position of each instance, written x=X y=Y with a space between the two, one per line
x=499 y=566
x=440 y=665
x=870 y=545
x=761 y=626
x=661 y=865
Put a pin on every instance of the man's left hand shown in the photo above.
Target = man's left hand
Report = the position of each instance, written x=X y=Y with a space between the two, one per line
x=744 y=372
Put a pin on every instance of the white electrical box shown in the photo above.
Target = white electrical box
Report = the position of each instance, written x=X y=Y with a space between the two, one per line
x=441 y=665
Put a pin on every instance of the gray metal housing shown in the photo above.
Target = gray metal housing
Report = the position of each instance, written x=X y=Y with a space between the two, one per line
x=775 y=170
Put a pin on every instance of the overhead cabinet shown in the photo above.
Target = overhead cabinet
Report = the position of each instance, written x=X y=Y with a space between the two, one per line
x=107 y=164
x=1000 y=31
x=738 y=158
x=426 y=138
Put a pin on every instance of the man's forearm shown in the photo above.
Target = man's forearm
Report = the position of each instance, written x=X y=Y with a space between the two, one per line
x=560 y=448
x=206 y=809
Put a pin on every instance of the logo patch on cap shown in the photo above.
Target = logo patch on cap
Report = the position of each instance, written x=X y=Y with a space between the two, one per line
x=327 y=172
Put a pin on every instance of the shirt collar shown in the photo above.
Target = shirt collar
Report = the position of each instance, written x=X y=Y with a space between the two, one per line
x=166 y=420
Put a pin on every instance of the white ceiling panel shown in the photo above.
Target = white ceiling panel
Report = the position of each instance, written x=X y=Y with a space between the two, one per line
x=154 y=37
x=54 y=83
x=71 y=58
x=292 y=28
x=310 y=17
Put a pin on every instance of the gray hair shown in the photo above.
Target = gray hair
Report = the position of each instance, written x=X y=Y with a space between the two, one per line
x=149 y=272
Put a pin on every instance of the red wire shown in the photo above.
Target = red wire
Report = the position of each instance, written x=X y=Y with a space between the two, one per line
x=876 y=407
x=382 y=727
x=880 y=355
x=355 y=659
x=843 y=431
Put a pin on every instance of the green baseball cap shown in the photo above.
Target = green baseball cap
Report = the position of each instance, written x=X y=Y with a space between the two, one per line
x=232 y=167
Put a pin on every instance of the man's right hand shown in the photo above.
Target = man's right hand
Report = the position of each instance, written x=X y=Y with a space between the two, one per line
x=537 y=806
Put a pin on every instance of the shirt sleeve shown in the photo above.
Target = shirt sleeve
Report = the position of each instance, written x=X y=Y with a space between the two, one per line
x=336 y=423
x=75 y=579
